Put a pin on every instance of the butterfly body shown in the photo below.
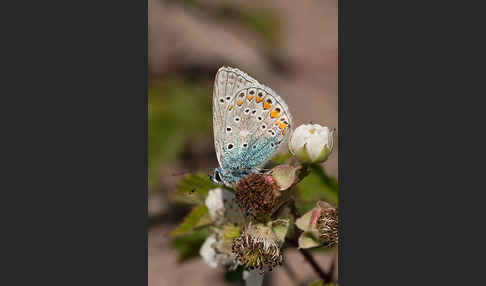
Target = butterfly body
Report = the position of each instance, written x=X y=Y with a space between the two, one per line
x=250 y=123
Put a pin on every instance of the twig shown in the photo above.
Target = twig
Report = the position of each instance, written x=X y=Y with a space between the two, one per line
x=291 y=273
x=326 y=277
x=333 y=262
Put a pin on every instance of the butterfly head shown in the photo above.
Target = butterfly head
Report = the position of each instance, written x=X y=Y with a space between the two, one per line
x=217 y=176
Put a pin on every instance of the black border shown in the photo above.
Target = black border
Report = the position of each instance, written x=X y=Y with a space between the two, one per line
x=77 y=141
x=78 y=155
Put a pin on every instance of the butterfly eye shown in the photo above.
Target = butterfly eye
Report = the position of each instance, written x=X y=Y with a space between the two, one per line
x=242 y=94
x=230 y=146
x=271 y=144
x=252 y=92
x=264 y=126
x=247 y=110
x=217 y=177
x=228 y=98
x=228 y=129
x=253 y=112
x=237 y=119
x=245 y=145
x=221 y=100
x=259 y=118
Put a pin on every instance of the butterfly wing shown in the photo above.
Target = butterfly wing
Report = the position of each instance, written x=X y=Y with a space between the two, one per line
x=251 y=125
x=227 y=82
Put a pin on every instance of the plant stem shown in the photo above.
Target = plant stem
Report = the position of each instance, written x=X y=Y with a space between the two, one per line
x=326 y=277
x=291 y=273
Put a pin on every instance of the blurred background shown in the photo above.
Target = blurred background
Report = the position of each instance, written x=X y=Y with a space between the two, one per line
x=291 y=46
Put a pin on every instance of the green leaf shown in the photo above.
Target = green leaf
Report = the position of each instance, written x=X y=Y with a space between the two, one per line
x=194 y=188
x=199 y=216
x=317 y=283
x=188 y=245
x=316 y=186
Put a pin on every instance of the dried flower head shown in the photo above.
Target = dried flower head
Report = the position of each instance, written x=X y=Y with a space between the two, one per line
x=258 y=248
x=257 y=194
x=327 y=225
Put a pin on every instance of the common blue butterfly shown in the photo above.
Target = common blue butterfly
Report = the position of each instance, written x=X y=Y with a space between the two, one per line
x=250 y=123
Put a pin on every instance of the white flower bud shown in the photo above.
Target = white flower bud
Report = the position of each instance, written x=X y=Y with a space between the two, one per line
x=311 y=143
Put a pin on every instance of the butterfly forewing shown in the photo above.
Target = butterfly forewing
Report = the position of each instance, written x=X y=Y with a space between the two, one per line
x=227 y=81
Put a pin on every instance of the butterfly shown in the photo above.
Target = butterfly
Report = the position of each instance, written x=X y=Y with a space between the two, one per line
x=250 y=123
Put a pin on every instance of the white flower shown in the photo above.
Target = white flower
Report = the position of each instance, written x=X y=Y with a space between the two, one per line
x=221 y=206
x=226 y=216
x=311 y=143
x=208 y=253
x=211 y=255
x=216 y=249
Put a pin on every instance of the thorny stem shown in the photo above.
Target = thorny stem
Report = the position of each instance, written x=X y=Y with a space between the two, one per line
x=325 y=276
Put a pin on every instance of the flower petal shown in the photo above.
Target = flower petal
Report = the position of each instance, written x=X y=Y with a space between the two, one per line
x=299 y=138
x=208 y=253
x=317 y=142
x=218 y=201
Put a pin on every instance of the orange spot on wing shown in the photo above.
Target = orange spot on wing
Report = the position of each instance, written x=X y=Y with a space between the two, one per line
x=231 y=107
x=250 y=97
x=239 y=102
x=277 y=123
x=274 y=113
x=259 y=99
x=266 y=105
x=282 y=125
x=283 y=131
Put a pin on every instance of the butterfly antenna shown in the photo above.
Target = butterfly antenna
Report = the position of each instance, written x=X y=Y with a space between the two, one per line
x=181 y=173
